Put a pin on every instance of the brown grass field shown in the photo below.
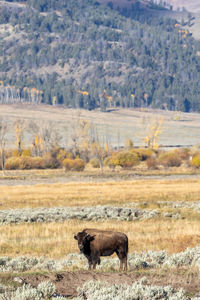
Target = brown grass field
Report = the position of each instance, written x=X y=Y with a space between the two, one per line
x=101 y=193
x=56 y=239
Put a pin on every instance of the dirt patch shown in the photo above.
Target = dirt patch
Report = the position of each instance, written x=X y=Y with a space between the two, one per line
x=68 y=282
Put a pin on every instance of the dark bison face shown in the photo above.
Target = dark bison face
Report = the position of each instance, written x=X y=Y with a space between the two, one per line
x=84 y=240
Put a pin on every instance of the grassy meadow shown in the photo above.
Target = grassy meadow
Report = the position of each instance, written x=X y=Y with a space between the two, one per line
x=55 y=240
x=99 y=193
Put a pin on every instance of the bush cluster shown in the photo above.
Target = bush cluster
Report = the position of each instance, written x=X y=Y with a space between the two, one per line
x=25 y=162
x=144 y=260
x=126 y=159
x=59 y=214
x=169 y=159
x=74 y=164
x=144 y=153
x=44 y=291
x=138 y=290
x=99 y=290
x=183 y=153
x=152 y=163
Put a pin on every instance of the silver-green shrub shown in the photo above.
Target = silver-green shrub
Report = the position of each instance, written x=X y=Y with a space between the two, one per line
x=137 y=291
x=60 y=214
x=150 y=259
x=26 y=292
x=47 y=289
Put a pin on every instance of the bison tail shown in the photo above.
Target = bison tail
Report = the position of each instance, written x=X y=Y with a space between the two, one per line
x=126 y=245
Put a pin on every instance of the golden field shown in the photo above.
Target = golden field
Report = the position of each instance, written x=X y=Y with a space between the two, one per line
x=99 y=193
x=56 y=239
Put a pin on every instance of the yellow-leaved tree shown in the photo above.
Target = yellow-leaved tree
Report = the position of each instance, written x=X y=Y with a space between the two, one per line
x=154 y=129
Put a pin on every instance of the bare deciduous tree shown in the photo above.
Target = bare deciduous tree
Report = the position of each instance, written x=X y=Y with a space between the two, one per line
x=45 y=136
x=19 y=125
x=3 y=132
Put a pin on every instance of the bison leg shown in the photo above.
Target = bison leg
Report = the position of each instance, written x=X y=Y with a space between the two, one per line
x=90 y=263
x=94 y=265
x=125 y=263
x=123 y=260
x=96 y=260
x=121 y=265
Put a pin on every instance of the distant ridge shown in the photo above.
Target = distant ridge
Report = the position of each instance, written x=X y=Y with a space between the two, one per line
x=190 y=5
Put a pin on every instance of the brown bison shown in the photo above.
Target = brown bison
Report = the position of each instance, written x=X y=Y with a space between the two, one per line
x=94 y=243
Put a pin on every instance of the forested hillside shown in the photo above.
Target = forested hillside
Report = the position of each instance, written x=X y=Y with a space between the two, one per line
x=84 y=54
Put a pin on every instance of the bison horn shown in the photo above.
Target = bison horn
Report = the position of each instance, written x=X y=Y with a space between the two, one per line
x=89 y=237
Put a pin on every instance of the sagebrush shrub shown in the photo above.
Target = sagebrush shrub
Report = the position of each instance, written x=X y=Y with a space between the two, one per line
x=140 y=290
x=25 y=292
x=47 y=289
x=74 y=164
x=169 y=159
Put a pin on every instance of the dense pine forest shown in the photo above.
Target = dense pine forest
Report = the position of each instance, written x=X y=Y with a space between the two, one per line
x=83 y=54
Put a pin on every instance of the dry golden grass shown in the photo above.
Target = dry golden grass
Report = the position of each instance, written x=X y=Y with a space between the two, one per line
x=55 y=240
x=102 y=193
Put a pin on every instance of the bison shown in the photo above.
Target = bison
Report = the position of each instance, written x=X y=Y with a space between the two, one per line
x=94 y=243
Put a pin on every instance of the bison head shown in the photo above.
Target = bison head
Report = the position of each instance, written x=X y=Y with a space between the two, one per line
x=84 y=240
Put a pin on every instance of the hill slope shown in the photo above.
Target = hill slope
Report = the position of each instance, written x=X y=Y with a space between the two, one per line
x=86 y=55
x=192 y=5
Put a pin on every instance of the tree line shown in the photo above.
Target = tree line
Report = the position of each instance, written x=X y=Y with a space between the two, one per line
x=84 y=146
